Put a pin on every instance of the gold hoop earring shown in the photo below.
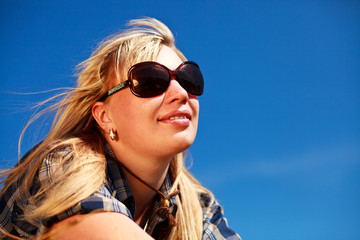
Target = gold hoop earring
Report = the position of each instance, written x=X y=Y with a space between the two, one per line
x=112 y=134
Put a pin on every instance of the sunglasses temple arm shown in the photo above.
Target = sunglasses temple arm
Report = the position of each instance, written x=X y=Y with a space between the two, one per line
x=115 y=89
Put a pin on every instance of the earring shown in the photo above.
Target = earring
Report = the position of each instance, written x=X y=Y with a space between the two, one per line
x=112 y=134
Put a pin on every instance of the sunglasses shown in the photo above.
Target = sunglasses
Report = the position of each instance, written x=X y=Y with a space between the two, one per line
x=150 y=79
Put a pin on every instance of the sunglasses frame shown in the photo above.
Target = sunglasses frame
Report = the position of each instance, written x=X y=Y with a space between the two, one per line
x=129 y=82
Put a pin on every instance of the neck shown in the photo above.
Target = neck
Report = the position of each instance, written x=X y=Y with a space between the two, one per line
x=150 y=171
x=144 y=193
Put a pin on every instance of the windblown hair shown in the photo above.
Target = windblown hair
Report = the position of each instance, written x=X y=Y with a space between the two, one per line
x=82 y=172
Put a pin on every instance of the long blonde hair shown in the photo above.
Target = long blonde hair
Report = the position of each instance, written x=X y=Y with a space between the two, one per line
x=75 y=127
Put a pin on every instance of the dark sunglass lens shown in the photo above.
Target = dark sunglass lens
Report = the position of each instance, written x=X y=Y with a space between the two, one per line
x=191 y=79
x=149 y=80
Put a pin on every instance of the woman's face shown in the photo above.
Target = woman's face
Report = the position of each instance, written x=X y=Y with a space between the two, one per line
x=159 y=126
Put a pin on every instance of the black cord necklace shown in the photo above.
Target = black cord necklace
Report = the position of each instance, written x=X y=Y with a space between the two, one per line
x=164 y=211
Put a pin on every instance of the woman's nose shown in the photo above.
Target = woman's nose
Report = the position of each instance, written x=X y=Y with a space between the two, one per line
x=176 y=92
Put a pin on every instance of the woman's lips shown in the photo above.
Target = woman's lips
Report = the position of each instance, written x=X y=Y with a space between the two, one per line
x=177 y=117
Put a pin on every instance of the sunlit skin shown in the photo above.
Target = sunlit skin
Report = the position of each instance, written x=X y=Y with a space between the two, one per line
x=147 y=134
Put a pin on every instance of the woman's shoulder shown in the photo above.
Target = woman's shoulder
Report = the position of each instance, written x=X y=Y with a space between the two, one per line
x=52 y=161
x=215 y=224
x=15 y=196
x=68 y=157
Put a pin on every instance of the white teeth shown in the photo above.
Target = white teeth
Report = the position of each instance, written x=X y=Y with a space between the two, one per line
x=178 y=117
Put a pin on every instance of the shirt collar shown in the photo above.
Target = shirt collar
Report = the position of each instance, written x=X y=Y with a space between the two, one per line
x=117 y=180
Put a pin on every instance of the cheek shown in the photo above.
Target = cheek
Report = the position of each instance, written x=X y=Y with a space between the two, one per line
x=195 y=107
x=120 y=109
x=130 y=112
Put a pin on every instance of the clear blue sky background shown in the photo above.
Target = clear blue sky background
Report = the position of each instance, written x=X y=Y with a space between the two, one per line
x=279 y=136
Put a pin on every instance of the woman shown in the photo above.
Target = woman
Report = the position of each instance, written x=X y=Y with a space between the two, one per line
x=112 y=164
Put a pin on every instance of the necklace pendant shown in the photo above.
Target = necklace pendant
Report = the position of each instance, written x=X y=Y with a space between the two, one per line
x=165 y=203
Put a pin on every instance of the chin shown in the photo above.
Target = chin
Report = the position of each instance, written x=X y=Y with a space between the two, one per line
x=183 y=145
x=176 y=143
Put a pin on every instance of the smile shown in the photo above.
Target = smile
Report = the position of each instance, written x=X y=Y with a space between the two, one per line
x=178 y=117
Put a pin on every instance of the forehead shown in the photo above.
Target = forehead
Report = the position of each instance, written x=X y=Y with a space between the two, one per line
x=168 y=58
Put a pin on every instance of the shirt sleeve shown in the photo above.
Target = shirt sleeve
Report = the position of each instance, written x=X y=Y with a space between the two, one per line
x=214 y=223
x=100 y=201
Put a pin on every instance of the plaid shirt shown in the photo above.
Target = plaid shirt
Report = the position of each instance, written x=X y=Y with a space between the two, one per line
x=214 y=224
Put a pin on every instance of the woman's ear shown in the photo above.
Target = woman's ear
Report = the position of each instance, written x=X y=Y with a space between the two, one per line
x=100 y=113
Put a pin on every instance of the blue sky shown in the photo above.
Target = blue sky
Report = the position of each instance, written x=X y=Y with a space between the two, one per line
x=279 y=136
